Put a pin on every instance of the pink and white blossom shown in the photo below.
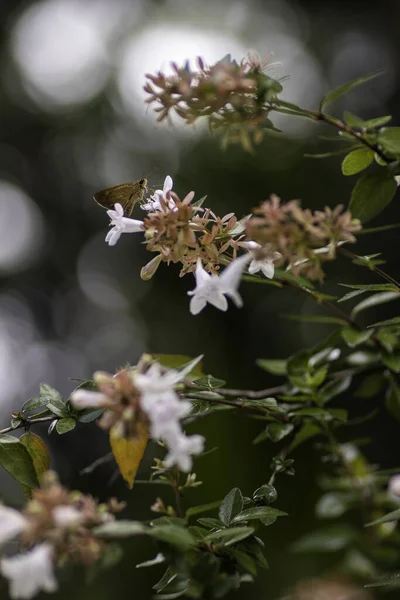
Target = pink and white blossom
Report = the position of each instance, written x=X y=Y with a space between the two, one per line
x=121 y=225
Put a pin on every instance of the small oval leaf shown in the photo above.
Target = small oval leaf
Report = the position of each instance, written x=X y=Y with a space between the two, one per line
x=371 y=194
x=357 y=161
x=128 y=452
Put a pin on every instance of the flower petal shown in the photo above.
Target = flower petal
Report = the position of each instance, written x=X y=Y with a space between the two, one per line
x=267 y=267
x=197 y=303
x=218 y=300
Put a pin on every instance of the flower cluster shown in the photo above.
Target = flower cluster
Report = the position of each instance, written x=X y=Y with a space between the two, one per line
x=145 y=396
x=55 y=525
x=233 y=96
x=304 y=239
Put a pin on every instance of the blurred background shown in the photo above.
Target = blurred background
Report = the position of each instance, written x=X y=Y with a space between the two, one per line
x=73 y=121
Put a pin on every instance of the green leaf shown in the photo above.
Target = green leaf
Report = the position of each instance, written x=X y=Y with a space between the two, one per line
x=211 y=523
x=393 y=399
x=38 y=451
x=321 y=414
x=230 y=536
x=371 y=194
x=352 y=120
x=90 y=416
x=33 y=403
x=65 y=425
x=209 y=382
x=273 y=366
x=246 y=562
x=17 y=461
x=392 y=516
x=354 y=337
x=393 y=579
x=308 y=431
x=387 y=323
x=197 y=510
x=357 y=161
x=343 y=89
x=375 y=300
x=329 y=539
x=266 y=514
x=231 y=506
x=392 y=361
x=351 y=295
x=278 y=431
x=377 y=122
x=374 y=287
x=389 y=140
x=120 y=529
x=370 y=386
x=50 y=394
x=173 y=534
x=321 y=319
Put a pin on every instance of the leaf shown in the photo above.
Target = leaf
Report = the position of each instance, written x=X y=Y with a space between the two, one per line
x=375 y=300
x=393 y=579
x=371 y=194
x=91 y=416
x=357 y=161
x=389 y=140
x=374 y=287
x=230 y=536
x=377 y=122
x=321 y=319
x=17 y=461
x=120 y=529
x=50 y=394
x=387 y=323
x=211 y=523
x=370 y=386
x=278 y=431
x=197 y=510
x=392 y=402
x=173 y=534
x=33 y=403
x=353 y=337
x=308 y=431
x=329 y=539
x=209 y=382
x=351 y=295
x=392 y=361
x=128 y=452
x=231 y=506
x=392 y=516
x=263 y=513
x=65 y=425
x=343 y=89
x=38 y=451
x=273 y=366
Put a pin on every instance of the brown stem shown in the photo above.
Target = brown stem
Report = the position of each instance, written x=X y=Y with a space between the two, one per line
x=377 y=270
x=239 y=393
x=26 y=423
x=178 y=495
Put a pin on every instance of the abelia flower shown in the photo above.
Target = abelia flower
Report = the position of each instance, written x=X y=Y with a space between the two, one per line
x=66 y=516
x=30 y=572
x=212 y=289
x=263 y=258
x=161 y=200
x=12 y=523
x=121 y=225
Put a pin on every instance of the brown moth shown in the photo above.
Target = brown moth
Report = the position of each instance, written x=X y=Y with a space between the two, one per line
x=126 y=194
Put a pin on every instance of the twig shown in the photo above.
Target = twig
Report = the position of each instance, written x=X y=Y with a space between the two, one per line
x=26 y=423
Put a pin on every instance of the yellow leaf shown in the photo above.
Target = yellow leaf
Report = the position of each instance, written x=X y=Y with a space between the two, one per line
x=128 y=452
x=40 y=456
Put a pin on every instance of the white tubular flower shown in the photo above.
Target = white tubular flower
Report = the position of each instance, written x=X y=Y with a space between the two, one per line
x=214 y=288
x=164 y=410
x=394 y=488
x=12 y=523
x=154 y=204
x=66 y=516
x=121 y=225
x=263 y=258
x=181 y=448
x=31 y=572
x=86 y=399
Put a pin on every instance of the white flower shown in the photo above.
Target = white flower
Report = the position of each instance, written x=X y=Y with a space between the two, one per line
x=11 y=523
x=394 y=488
x=121 y=225
x=164 y=409
x=181 y=448
x=263 y=258
x=86 y=399
x=31 y=572
x=154 y=203
x=214 y=288
x=66 y=515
